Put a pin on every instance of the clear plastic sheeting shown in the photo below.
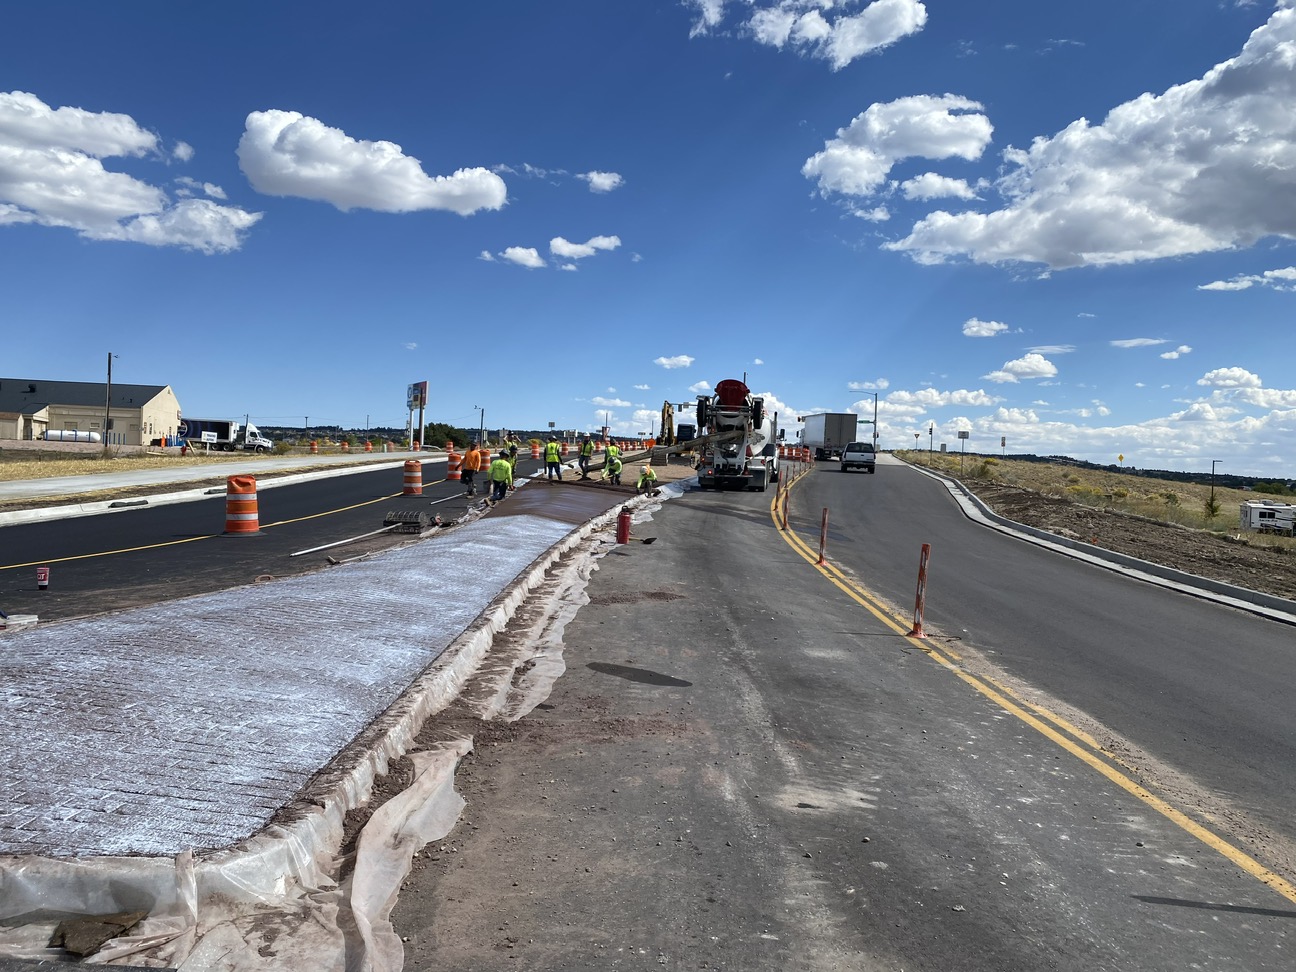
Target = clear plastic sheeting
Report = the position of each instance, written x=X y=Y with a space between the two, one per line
x=270 y=902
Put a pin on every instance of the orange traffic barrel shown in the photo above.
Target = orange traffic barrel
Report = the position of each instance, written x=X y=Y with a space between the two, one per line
x=368 y=446
x=314 y=447
x=413 y=478
x=453 y=465
x=346 y=446
x=241 y=515
x=563 y=449
x=416 y=446
x=535 y=450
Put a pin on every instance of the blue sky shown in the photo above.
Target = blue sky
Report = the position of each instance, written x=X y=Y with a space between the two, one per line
x=1069 y=225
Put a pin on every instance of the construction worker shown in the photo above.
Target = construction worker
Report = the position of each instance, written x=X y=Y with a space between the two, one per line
x=472 y=463
x=647 y=479
x=501 y=477
x=611 y=450
x=553 y=459
x=612 y=470
x=586 y=454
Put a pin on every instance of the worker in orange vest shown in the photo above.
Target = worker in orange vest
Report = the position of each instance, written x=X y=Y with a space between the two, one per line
x=472 y=463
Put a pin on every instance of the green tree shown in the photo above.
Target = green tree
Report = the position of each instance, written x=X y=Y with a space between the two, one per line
x=437 y=434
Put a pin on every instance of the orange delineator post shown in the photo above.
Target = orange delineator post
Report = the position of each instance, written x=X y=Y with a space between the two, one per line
x=241 y=516
x=413 y=478
x=454 y=464
x=920 y=602
x=823 y=536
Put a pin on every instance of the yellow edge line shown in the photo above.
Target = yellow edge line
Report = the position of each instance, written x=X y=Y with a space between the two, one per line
x=1000 y=698
x=206 y=536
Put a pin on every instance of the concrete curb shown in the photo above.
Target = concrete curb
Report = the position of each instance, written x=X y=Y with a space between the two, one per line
x=1255 y=602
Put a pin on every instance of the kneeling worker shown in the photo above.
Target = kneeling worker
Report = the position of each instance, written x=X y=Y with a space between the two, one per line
x=647 y=479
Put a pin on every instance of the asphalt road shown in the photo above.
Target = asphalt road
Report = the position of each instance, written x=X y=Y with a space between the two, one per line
x=155 y=554
x=744 y=767
x=1203 y=689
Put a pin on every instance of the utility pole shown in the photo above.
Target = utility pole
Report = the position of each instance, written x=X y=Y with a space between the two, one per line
x=931 y=438
x=1211 y=504
x=875 y=432
x=481 y=432
x=108 y=400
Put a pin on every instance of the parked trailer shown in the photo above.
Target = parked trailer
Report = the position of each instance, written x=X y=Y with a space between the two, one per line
x=1268 y=516
x=70 y=435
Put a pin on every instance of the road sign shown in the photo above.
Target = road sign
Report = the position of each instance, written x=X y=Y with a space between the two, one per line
x=964 y=434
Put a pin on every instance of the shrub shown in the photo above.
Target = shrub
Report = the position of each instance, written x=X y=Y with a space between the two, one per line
x=282 y=448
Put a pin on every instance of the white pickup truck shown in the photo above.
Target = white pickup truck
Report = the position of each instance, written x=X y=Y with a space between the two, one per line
x=858 y=455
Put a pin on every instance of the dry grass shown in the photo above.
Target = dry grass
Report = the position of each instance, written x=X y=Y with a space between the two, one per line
x=1164 y=500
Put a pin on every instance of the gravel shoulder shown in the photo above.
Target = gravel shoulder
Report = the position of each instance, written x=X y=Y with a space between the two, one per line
x=1199 y=552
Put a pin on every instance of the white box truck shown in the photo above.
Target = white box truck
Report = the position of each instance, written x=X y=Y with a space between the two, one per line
x=828 y=433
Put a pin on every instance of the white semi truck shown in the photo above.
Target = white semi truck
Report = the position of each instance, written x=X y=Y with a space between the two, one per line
x=738 y=447
x=223 y=434
x=828 y=433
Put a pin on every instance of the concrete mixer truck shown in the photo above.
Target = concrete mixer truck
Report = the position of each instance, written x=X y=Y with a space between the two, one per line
x=738 y=447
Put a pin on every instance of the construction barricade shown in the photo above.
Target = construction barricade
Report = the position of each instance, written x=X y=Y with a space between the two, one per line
x=241 y=516
x=413 y=478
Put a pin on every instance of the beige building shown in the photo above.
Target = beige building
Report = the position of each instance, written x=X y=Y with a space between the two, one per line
x=137 y=414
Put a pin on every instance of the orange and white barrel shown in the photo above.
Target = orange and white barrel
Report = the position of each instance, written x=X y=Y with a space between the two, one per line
x=563 y=450
x=314 y=448
x=416 y=446
x=453 y=465
x=413 y=478
x=346 y=446
x=535 y=450
x=368 y=446
x=241 y=515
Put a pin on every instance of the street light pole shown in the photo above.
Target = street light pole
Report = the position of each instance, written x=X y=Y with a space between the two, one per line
x=1214 y=463
x=481 y=431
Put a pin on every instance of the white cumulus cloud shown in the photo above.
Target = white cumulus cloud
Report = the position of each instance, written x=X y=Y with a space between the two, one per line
x=1202 y=167
x=578 y=251
x=524 y=256
x=881 y=384
x=1177 y=352
x=286 y=153
x=52 y=174
x=1230 y=378
x=826 y=30
x=857 y=161
x=602 y=181
x=609 y=402
x=929 y=185
x=678 y=361
x=1284 y=279
x=973 y=327
x=1028 y=366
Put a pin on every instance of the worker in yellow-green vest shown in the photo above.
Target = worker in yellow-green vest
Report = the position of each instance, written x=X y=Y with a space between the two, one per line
x=501 y=477
x=647 y=479
x=586 y=454
x=553 y=459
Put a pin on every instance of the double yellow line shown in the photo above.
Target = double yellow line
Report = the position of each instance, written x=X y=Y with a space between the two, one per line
x=1048 y=724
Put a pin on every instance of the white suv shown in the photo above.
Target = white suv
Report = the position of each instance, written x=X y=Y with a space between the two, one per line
x=858 y=455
